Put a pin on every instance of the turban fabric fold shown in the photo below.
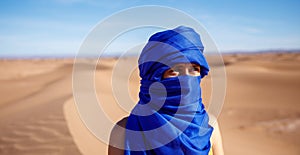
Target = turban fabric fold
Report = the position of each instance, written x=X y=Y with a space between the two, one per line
x=170 y=117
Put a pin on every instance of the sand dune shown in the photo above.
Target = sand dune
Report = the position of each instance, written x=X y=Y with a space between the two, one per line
x=261 y=114
x=262 y=104
x=31 y=116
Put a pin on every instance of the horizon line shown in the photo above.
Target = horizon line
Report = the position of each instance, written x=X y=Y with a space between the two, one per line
x=116 y=55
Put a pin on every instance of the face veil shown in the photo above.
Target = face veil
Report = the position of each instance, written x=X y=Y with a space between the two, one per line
x=170 y=117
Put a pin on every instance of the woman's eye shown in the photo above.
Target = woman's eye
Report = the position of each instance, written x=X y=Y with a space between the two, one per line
x=172 y=71
x=196 y=69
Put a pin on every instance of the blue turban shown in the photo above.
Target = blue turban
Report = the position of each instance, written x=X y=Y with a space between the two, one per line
x=170 y=117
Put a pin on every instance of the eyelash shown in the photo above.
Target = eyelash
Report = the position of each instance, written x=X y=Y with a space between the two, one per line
x=172 y=71
x=196 y=68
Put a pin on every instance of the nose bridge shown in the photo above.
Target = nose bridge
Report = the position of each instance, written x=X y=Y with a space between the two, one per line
x=186 y=70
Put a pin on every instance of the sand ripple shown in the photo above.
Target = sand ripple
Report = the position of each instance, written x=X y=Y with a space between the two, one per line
x=286 y=125
x=41 y=136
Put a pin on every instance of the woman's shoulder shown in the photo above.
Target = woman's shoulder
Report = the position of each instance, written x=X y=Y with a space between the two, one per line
x=119 y=127
x=122 y=122
x=117 y=137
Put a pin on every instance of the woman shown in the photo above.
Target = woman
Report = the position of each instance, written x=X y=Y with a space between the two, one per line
x=170 y=117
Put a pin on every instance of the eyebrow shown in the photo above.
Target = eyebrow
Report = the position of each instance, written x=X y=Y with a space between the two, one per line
x=176 y=66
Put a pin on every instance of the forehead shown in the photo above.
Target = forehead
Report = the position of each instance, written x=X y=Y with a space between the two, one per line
x=186 y=65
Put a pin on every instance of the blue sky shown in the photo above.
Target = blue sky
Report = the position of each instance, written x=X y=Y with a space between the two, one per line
x=56 y=28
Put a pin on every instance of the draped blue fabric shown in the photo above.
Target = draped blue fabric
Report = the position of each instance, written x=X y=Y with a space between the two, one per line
x=169 y=117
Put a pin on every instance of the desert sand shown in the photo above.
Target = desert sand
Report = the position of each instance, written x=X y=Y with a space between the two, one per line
x=38 y=115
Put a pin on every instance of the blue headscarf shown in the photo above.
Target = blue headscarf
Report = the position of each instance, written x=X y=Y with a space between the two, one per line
x=169 y=117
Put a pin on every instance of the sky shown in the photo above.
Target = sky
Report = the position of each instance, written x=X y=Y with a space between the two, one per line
x=57 y=28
